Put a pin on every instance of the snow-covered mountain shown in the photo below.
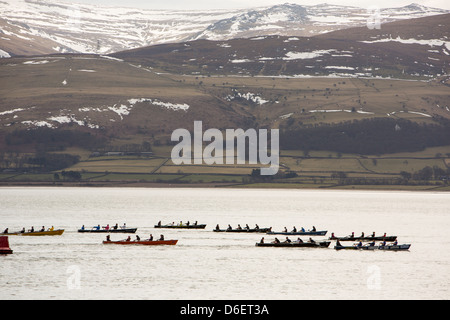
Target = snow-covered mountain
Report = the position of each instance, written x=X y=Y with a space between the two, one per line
x=295 y=20
x=86 y=28
x=50 y=26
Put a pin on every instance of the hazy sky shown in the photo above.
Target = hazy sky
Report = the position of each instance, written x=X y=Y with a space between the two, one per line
x=230 y=4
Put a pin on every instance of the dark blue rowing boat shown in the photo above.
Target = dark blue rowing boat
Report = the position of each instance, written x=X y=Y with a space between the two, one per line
x=300 y=233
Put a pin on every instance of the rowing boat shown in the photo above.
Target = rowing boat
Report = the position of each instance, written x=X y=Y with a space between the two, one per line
x=184 y=226
x=42 y=233
x=35 y=233
x=112 y=230
x=349 y=248
x=9 y=234
x=4 y=246
x=260 y=230
x=370 y=238
x=300 y=233
x=144 y=242
x=324 y=244
x=402 y=247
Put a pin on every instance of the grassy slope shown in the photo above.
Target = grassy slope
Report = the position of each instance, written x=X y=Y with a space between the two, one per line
x=115 y=82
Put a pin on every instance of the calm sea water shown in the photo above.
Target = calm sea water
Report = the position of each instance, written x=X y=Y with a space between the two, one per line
x=208 y=265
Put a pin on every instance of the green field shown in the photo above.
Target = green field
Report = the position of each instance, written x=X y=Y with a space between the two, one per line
x=316 y=170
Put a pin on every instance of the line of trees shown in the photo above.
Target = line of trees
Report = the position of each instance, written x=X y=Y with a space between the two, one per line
x=49 y=140
x=73 y=176
x=40 y=162
x=426 y=174
x=367 y=137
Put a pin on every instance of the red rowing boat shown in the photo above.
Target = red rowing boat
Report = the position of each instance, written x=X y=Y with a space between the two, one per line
x=145 y=242
x=4 y=246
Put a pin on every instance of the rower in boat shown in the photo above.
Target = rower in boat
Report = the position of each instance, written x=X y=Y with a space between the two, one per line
x=299 y=240
x=129 y=238
x=314 y=229
x=43 y=229
x=151 y=238
x=239 y=227
x=256 y=227
x=276 y=241
x=294 y=229
x=303 y=229
x=159 y=224
x=107 y=227
x=262 y=240
x=247 y=227
x=359 y=244
x=116 y=226
x=311 y=240
x=287 y=240
x=217 y=228
x=362 y=235
x=138 y=238
x=6 y=231
x=161 y=238
x=32 y=229
x=108 y=238
x=229 y=228
x=23 y=230
x=285 y=229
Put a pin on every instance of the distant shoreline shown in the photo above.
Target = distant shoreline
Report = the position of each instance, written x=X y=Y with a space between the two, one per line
x=281 y=186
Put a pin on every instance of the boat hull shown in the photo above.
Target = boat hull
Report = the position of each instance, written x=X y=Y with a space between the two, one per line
x=347 y=248
x=129 y=230
x=43 y=233
x=310 y=233
x=261 y=230
x=324 y=244
x=387 y=239
x=144 y=243
x=403 y=247
x=199 y=226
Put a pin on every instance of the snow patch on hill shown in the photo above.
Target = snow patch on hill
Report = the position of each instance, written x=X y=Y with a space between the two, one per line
x=251 y=97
